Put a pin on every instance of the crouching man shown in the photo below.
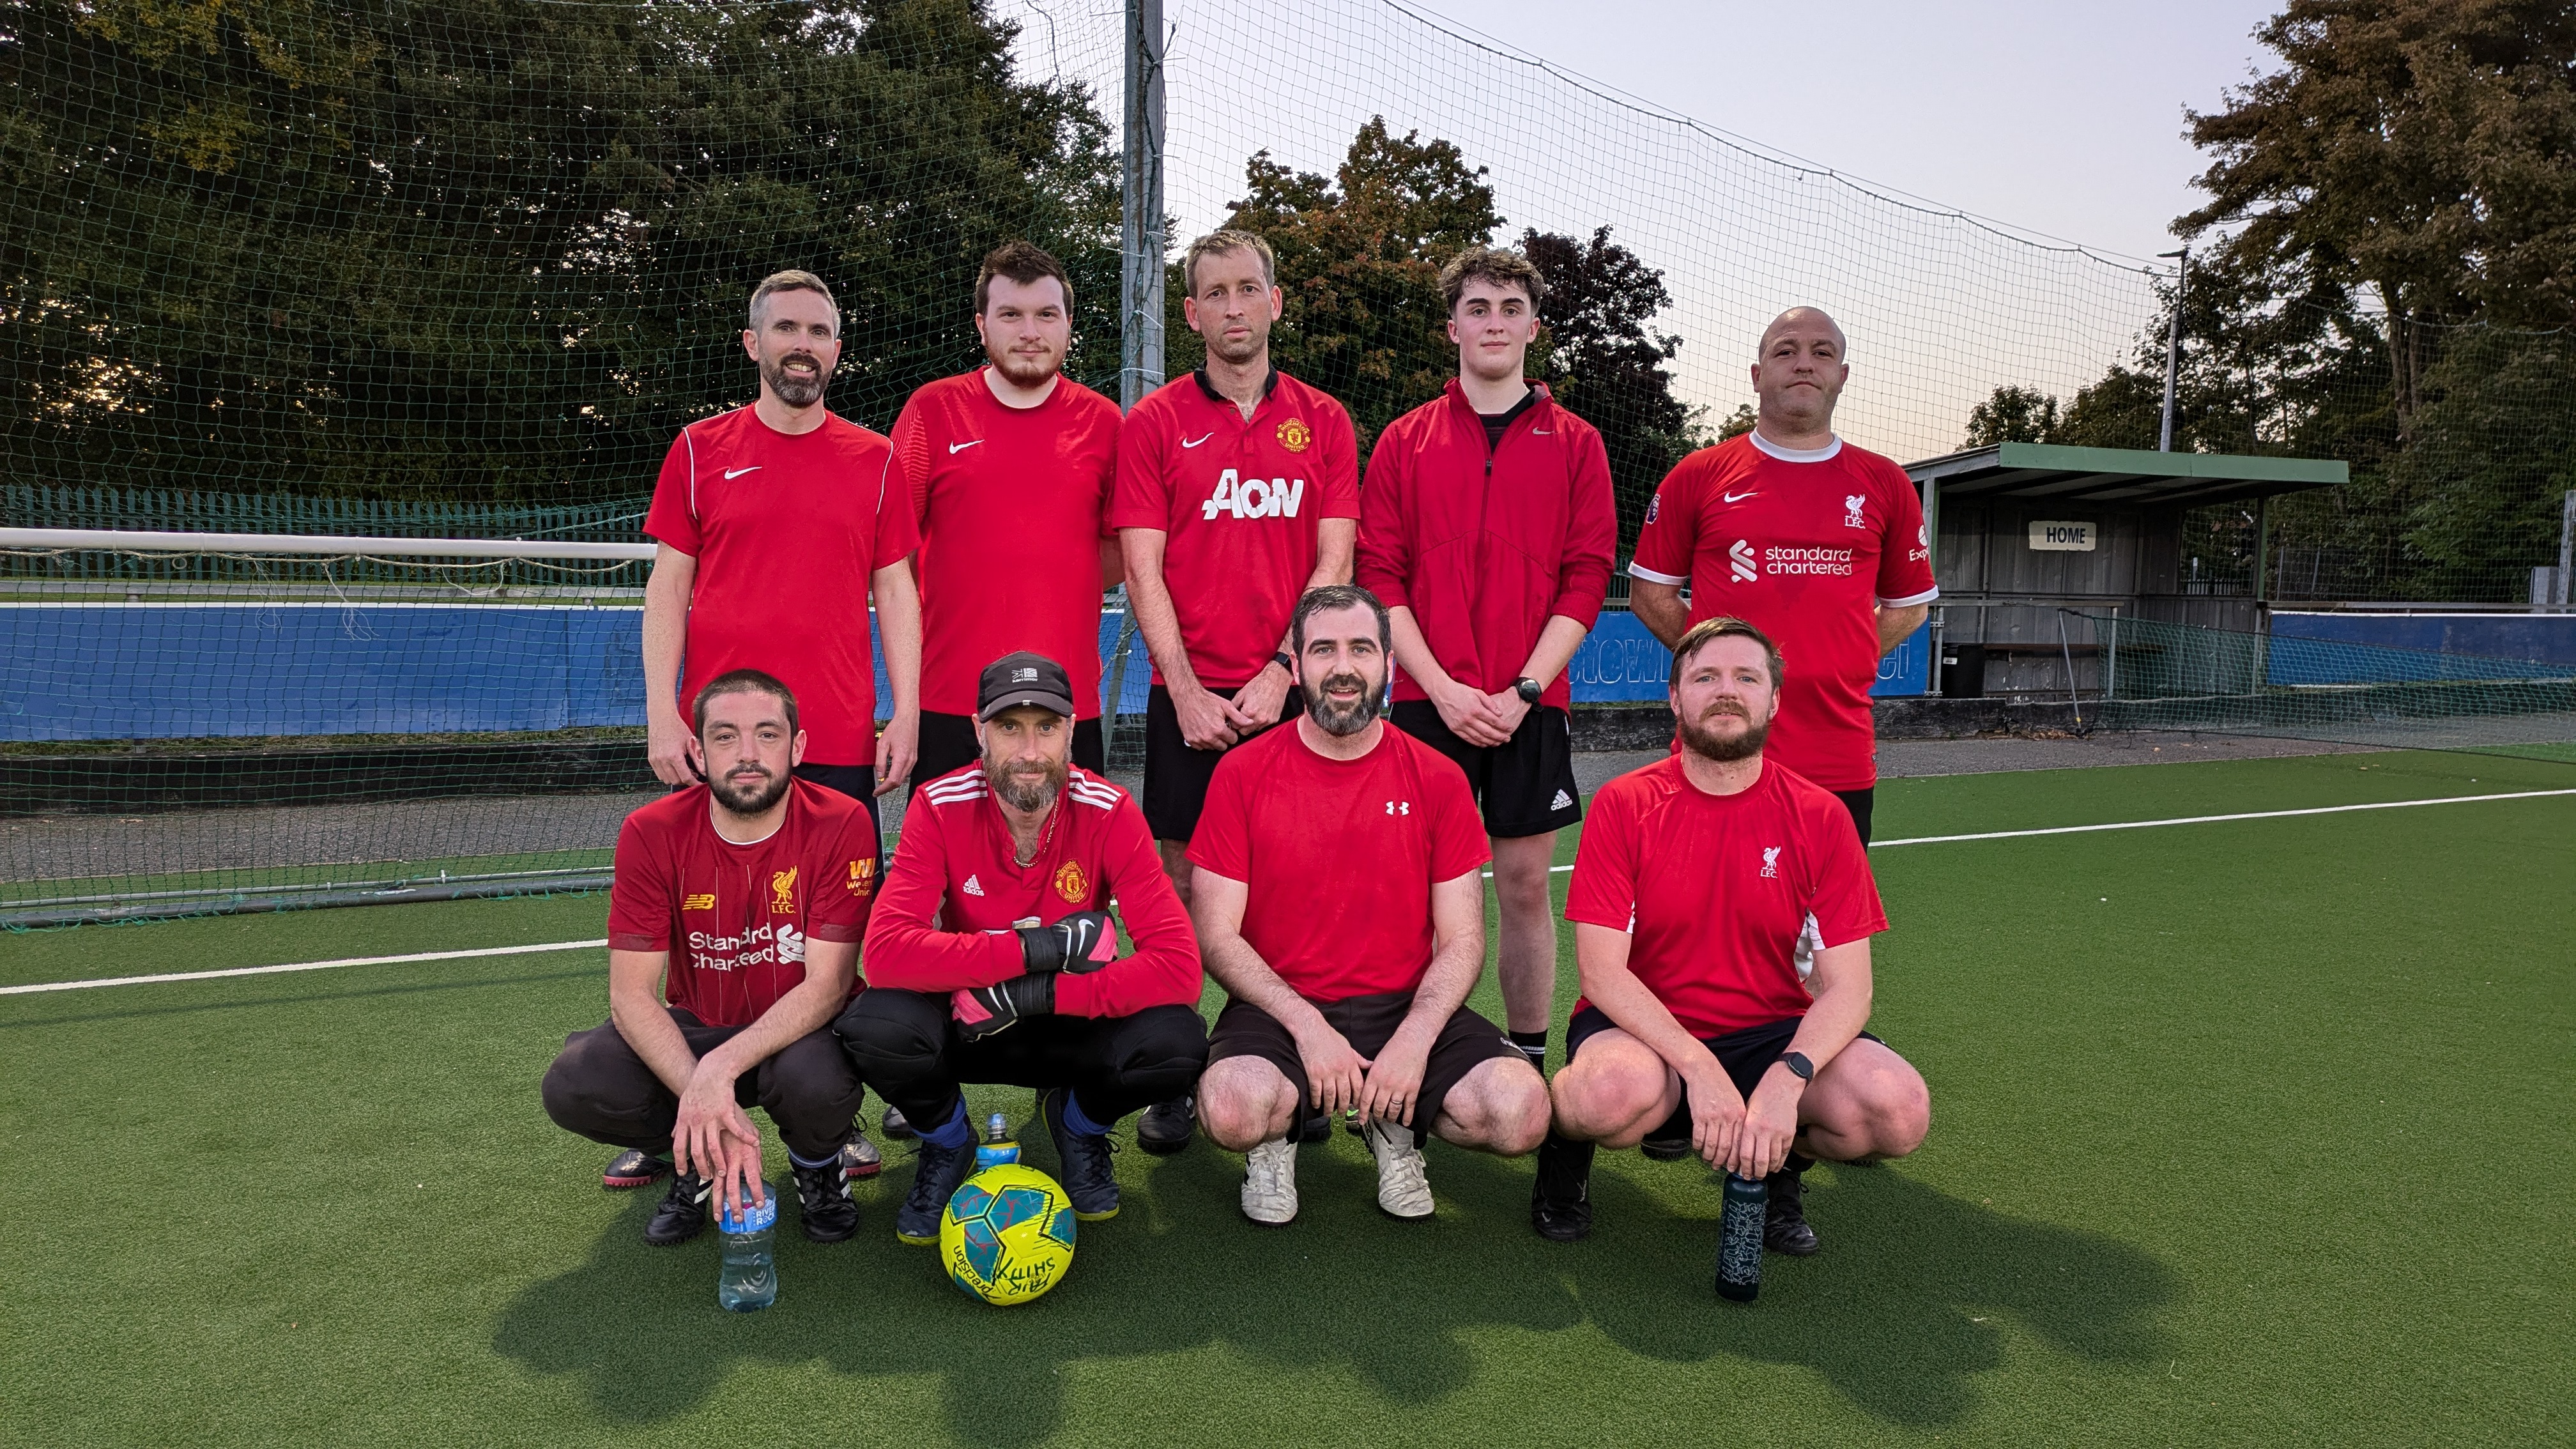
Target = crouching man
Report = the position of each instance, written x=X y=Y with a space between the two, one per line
x=733 y=931
x=1692 y=884
x=1339 y=898
x=992 y=957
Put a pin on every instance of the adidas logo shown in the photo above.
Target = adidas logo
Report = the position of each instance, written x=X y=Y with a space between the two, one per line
x=973 y=886
x=1561 y=801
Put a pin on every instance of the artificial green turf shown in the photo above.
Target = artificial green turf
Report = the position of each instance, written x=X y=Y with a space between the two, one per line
x=2248 y=1132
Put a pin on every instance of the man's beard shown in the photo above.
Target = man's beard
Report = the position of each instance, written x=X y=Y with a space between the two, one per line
x=797 y=391
x=1239 y=353
x=1020 y=370
x=751 y=797
x=1341 y=721
x=1706 y=743
x=1022 y=793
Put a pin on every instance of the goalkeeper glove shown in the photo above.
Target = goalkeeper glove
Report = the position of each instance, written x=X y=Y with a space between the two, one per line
x=983 y=1010
x=1081 y=942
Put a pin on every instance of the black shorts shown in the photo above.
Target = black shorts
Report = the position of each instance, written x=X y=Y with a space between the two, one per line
x=1176 y=775
x=948 y=743
x=1745 y=1054
x=1860 y=803
x=1245 y=1030
x=1526 y=784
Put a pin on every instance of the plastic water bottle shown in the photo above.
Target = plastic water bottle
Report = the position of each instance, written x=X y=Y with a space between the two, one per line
x=997 y=1146
x=749 y=1278
x=1739 y=1239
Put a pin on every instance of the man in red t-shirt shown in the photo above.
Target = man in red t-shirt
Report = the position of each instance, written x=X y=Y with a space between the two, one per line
x=743 y=900
x=992 y=957
x=1487 y=527
x=1014 y=451
x=1238 y=488
x=1817 y=543
x=1340 y=903
x=774 y=526
x=1695 y=879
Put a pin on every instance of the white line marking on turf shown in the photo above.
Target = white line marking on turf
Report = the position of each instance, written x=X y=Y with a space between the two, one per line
x=303 y=966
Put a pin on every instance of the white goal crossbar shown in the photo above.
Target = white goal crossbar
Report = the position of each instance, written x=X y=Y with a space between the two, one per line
x=117 y=540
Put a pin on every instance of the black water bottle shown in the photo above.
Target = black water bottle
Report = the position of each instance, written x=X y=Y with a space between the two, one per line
x=1739 y=1239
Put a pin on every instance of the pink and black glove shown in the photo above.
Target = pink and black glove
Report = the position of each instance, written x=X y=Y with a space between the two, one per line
x=983 y=1010
x=1082 y=942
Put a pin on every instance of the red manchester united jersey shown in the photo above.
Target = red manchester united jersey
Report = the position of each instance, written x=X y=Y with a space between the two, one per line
x=736 y=918
x=1804 y=546
x=956 y=892
x=786 y=531
x=1240 y=499
x=1012 y=504
x=1713 y=890
x=1340 y=856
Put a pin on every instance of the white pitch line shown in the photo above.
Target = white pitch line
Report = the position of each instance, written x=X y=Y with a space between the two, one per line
x=302 y=966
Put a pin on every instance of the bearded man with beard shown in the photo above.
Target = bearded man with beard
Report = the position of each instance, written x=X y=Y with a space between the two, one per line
x=1695 y=879
x=774 y=526
x=1338 y=897
x=991 y=956
x=733 y=927
x=1011 y=449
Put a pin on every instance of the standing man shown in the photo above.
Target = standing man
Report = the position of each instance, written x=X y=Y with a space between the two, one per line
x=1487 y=528
x=1815 y=542
x=1694 y=882
x=1238 y=489
x=732 y=932
x=992 y=957
x=1338 y=900
x=766 y=519
x=1015 y=450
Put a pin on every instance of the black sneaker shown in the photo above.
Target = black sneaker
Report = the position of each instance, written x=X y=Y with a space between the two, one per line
x=1090 y=1179
x=859 y=1156
x=1668 y=1149
x=1561 y=1201
x=1784 y=1223
x=893 y=1124
x=632 y=1169
x=683 y=1213
x=1165 y=1127
x=824 y=1195
x=936 y=1172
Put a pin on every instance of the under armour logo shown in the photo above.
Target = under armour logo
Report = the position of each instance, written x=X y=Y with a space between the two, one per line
x=1399 y=807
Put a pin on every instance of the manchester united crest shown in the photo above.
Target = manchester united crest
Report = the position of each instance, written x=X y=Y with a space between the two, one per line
x=1294 y=435
x=1071 y=883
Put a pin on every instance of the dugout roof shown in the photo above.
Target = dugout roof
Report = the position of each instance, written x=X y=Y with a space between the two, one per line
x=2128 y=477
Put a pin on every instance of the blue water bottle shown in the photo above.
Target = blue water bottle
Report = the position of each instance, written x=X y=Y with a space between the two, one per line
x=997 y=1146
x=1739 y=1239
x=749 y=1278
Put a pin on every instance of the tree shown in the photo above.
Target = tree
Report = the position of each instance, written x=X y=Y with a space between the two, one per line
x=2013 y=415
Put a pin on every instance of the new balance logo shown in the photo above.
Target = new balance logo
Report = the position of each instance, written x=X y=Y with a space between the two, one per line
x=1254 y=497
x=956 y=448
x=1739 y=563
x=1851 y=510
x=1194 y=442
x=733 y=473
x=1399 y=807
x=973 y=887
x=1561 y=802
x=1770 y=862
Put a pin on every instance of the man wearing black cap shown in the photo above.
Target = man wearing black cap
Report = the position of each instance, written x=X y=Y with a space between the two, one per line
x=991 y=957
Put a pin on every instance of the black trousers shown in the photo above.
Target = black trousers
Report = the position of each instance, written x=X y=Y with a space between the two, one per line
x=1860 y=803
x=601 y=1089
x=904 y=1044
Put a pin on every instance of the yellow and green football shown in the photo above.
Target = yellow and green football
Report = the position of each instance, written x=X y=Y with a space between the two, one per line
x=1007 y=1235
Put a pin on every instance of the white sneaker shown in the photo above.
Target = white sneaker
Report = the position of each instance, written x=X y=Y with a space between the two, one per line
x=1270 y=1183
x=1403 y=1189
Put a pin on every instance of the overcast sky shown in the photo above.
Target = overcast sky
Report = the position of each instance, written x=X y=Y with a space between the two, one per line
x=2061 y=116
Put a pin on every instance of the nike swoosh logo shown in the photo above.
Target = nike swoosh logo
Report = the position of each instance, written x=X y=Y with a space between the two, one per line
x=1194 y=442
x=1740 y=497
x=733 y=473
x=1542 y=432
x=956 y=448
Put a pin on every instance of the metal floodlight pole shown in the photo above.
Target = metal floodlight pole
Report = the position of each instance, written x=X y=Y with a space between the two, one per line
x=2567 y=548
x=1140 y=324
x=2173 y=346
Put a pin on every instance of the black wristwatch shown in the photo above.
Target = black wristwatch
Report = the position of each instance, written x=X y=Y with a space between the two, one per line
x=1798 y=1064
x=1528 y=689
x=1286 y=664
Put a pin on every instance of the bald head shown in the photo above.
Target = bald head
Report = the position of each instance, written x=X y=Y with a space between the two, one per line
x=1801 y=321
x=1798 y=373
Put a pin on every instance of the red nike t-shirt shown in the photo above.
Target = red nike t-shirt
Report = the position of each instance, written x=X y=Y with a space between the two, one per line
x=1240 y=500
x=1803 y=547
x=956 y=894
x=736 y=918
x=1713 y=890
x=1340 y=856
x=786 y=532
x=1012 y=504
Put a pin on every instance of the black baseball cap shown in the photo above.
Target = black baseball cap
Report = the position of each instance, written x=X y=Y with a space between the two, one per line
x=1024 y=678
